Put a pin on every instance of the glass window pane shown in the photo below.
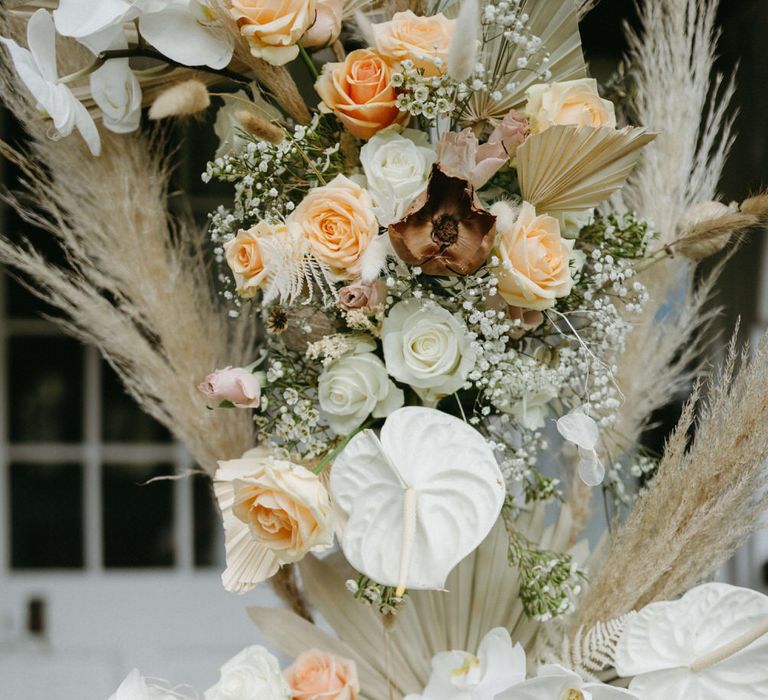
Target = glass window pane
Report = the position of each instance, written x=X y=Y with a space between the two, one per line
x=122 y=419
x=209 y=540
x=138 y=519
x=46 y=392
x=46 y=516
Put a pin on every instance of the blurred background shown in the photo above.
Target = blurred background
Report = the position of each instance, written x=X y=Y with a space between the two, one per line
x=100 y=573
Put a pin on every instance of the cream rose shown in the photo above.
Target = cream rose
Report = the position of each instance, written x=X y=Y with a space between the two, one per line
x=254 y=674
x=274 y=512
x=535 y=258
x=427 y=347
x=360 y=93
x=397 y=168
x=338 y=222
x=317 y=675
x=273 y=28
x=327 y=25
x=575 y=102
x=354 y=387
x=424 y=40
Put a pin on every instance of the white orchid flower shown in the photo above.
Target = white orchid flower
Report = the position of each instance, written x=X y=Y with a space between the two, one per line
x=186 y=31
x=459 y=675
x=577 y=427
x=37 y=68
x=557 y=683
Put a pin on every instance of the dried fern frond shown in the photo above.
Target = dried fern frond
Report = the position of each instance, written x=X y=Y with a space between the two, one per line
x=589 y=651
x=705 y=500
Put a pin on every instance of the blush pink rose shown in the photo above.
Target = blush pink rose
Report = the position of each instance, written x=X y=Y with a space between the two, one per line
x=361 y=295
x=233 y=384
x=317 y=675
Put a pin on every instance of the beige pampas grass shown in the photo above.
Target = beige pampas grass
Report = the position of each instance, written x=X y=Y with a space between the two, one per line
x=708 y=496
x=181 y=100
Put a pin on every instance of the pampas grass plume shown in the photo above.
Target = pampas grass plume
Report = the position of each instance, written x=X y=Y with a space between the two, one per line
x=462 y=55
x=259 y=127
x=181 y=100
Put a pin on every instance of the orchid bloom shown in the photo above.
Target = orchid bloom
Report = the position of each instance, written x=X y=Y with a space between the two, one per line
x=37 y=68
x=577 y=427
x=185 y=31
x=557 y=683
x=459 y=675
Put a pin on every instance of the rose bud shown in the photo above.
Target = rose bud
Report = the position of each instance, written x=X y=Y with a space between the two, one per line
x=234 y=384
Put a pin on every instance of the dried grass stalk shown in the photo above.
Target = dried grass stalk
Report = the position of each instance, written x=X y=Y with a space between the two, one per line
x=181 y=100
x=705 y=500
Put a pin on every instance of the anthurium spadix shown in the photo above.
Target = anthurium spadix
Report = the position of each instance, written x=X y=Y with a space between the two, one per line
x=417 y=499
x=711 y=644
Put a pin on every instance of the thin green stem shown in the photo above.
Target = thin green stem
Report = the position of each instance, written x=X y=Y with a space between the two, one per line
x=336 y=451
x=310 y=64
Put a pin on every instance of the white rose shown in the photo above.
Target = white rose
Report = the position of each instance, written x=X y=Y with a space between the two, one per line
x=571 y=222
x=134 y=687
x=254 y=674
x=427 y=347
x=397 y=168
x=354 y=387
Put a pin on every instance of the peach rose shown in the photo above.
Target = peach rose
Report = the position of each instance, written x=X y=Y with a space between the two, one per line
x=339 y=224
x=360 y=93
x=535 y=258
x=574 y=102
x=424 y=40
x=317 y=675
x=273 y=28
x=245 y=257
x=274 y=512
x=327 y=26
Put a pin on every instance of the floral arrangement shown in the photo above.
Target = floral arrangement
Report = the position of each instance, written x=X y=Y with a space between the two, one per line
x=442 y=320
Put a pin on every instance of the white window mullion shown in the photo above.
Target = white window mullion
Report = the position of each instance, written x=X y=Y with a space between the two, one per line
x=5 y=495
x=92 y=496
x=184 y=525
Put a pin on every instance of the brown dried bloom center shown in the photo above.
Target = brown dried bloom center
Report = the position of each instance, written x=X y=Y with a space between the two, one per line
x=445 y=229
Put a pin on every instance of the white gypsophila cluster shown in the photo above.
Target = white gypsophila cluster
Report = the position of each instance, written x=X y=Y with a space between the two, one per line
x=430 y=97
x=505 y=29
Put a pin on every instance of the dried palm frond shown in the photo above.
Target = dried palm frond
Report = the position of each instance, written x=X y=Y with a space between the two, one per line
x=571 y=168
x=482 y=593
x=556 y=24
x=585 y=7
x=707 y=497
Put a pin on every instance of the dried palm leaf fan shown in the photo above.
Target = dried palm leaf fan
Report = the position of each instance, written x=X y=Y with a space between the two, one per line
x=482 y=593
x=556 y=24
x=573 y=168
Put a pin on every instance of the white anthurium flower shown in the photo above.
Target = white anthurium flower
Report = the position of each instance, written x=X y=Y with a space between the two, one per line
x=417 y=499
x=531 y=411
x=554 y=682
x=37 y=69
x=397 y=167
x=186 y=31
x=135 y=687
x=459 y=675
x=711 y=644
x=577 y=427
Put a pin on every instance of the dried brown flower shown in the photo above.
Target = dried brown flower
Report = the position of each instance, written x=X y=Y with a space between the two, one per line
x=445 y=231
